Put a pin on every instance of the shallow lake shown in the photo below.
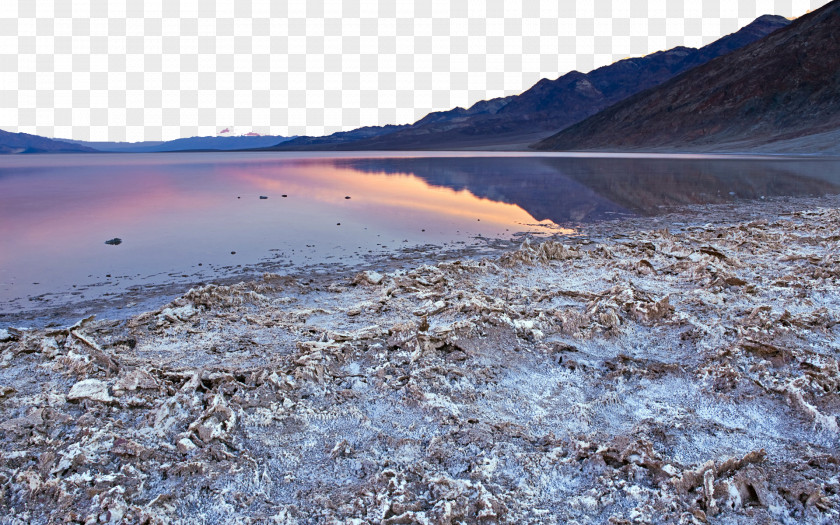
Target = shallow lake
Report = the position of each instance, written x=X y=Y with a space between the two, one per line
x=181 y=216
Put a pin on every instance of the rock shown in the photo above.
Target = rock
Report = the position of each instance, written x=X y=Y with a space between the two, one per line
x=714 y=252
x=430 y=308
x=20 y=424
x=177 y=314
x=216 y=423
x=128 y=447
x=135 y=380
x=113 y=242
x=368 y=277
x=263 y=197
x=92 y=389
x=185 y=445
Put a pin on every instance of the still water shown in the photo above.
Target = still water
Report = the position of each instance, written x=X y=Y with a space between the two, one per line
x=182 y=215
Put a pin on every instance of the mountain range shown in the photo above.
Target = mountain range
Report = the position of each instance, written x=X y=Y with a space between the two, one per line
x=545 y=108
x=186 y=144
x=779 y=93
x=11 y=143
x=16 y=143
x=773 y=86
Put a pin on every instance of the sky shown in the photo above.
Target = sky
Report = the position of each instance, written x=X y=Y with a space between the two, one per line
x=162 y=69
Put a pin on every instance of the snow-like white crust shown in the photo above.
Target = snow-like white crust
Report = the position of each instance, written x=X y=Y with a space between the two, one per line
x=651 y=377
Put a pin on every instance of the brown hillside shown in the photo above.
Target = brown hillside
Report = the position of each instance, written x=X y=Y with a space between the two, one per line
x=783 y=86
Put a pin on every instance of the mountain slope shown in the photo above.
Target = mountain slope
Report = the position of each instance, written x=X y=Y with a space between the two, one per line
x=782 y=87
x=548 y=106
x=13 y=143
x=336 y=139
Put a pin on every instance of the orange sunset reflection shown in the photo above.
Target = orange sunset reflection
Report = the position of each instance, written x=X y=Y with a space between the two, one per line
x=402 y=194
x=201 y=217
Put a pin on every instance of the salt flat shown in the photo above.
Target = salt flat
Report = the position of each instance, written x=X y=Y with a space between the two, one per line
x=634 y=373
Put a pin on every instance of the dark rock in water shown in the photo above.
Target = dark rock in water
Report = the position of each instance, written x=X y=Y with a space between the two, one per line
x=347 y=197
x=113 y=242
x=284 y=195
x=233 y=253
x=263 y=197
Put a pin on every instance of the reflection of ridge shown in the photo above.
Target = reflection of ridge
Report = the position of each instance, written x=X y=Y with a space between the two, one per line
x=590 y=189
x=541 y=190
x=644 y=185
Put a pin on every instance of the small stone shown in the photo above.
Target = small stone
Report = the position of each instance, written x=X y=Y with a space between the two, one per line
x=185 y=445
x=92 y=389
x=263 y=197
x=368 y=277
x=136 y=380
x=113 y=242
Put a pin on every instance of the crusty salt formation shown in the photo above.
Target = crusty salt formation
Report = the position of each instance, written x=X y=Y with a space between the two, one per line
x=683 y=377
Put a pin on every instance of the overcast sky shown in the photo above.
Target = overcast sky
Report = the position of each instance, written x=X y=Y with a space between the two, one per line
x=151 y=70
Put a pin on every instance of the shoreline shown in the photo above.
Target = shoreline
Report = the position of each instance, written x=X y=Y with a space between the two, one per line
x=663 y=369
x=138 y=298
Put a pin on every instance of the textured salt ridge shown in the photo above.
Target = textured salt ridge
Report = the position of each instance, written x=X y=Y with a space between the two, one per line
x=655 y=377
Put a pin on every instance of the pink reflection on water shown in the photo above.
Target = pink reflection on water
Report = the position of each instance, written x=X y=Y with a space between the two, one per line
x=175 y=210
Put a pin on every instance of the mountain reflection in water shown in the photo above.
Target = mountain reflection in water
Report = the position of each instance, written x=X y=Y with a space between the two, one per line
x=565 y=190
x=190 y=217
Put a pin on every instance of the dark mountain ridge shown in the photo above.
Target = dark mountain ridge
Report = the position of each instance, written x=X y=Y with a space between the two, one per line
x=341 y=137
x=548 y=106
x=782 y=87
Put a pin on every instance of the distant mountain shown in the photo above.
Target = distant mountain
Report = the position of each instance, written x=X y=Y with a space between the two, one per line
x=12 y=143
x=781 y=89
x=114 y=146
x=336 y=139
x=548 y=106
x=187 y=144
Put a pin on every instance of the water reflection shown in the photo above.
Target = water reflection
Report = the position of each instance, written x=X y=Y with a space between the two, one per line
x=181 y=215
x=193 y=217
x=566 y=190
